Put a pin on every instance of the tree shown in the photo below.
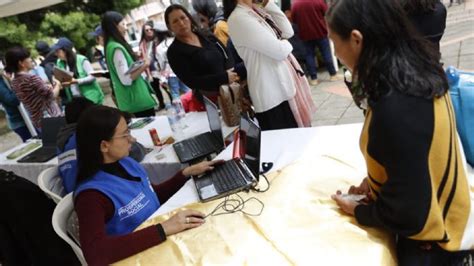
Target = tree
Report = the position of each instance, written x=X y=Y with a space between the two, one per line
x=72 y=19
x=74 y=25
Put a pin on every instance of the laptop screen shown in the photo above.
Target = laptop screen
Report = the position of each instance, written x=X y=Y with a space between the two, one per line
x=214 y=119
x=50 y=128
x=250 y=144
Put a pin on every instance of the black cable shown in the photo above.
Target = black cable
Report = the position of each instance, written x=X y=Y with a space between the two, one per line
x=232 y=205
x=262 y=190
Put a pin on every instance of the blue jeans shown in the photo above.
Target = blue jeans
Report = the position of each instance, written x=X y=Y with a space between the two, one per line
x=324 y=48
x=409 y=253
x=177 y=87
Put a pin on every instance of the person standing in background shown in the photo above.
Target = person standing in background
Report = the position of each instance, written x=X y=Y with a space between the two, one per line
x=278 y=89
x=132 y=92
x=167 y=76
x=38 y=97
x=10 y=104
x=83 y=83
x=308 y=15
x=211 y=17
x=148 y=43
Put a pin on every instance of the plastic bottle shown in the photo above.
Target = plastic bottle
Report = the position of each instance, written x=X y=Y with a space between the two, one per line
x=175 y=122
x=178 y=105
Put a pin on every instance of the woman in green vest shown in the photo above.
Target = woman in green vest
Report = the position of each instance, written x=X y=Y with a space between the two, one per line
x=132 y=91
x=82 y=84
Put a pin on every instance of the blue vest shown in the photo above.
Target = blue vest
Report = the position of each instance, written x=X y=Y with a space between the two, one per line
x=134 y=201
x=67 y=164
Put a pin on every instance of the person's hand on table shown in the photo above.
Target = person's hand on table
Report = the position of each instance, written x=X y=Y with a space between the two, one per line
x=183 y=220
x=201 y=167
x=348 y=205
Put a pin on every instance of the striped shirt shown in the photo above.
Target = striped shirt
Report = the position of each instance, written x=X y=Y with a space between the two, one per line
x=36 y=95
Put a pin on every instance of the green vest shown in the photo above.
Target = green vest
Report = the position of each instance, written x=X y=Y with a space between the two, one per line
x=90 y=91
x=134 y=98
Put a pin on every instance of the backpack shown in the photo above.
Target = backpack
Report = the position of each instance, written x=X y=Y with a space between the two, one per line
x=462 y=95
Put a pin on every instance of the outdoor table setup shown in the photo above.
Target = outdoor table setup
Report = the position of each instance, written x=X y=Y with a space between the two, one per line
x=298 y=223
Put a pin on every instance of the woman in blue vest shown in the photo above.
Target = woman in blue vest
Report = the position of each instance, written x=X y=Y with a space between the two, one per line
x=82 y=84
x=114 y=196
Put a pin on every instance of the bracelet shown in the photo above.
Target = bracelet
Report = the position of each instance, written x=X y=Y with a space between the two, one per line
x=161 y=231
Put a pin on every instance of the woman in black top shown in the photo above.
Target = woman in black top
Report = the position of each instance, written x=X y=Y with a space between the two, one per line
x=199 y=59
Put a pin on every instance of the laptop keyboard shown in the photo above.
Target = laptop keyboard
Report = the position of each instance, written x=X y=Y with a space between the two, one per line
x=227 y=177
x=200 y=144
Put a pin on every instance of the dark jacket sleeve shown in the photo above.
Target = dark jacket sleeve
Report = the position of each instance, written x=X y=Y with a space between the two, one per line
x=7 y=96
x=93 y=211
x=184 y=70
x=400 y=136
x=168 y=188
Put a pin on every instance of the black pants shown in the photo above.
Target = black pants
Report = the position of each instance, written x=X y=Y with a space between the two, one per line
x=279 y=117
x=411 y=253
x=155 y=84
x=146 y=113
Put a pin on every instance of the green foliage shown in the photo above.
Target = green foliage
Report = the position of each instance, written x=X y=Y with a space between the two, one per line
x=72 y=19
x=74 y=25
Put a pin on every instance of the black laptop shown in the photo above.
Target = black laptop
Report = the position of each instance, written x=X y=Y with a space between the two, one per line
x=50 y=128
x=235 y=175
x=204 y=144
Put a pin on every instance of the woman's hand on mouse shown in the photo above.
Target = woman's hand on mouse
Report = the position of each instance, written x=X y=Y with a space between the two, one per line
x=183 y=220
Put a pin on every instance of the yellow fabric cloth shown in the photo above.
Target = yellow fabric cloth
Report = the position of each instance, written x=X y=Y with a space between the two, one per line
x=300 y=224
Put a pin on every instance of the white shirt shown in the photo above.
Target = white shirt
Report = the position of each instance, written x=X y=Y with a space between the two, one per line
x=121 y=65
x=162 y=59
x=269 y=79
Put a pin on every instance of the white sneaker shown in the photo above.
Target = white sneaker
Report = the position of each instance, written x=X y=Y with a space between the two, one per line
x=313 y=82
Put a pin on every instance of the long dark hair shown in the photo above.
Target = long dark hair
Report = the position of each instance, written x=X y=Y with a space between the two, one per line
x=419 y=6
x=110 y=21
x=206 y=8
x=173 y=7
x=150 y=24
x=13 y=57
x=71 y=61
x=229 y=6
x=393 y=55
x=96 y=124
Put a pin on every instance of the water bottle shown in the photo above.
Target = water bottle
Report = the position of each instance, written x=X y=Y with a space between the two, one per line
x=178 y=105
x=175 y=122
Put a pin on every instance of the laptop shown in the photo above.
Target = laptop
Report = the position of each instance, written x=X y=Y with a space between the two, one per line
x=50 y=129
x=203 y=144
x=237 y=174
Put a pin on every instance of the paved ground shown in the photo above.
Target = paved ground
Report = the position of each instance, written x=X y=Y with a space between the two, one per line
x=333 y=101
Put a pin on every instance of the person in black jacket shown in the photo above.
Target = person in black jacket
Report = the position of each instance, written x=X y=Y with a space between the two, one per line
x=198 y=58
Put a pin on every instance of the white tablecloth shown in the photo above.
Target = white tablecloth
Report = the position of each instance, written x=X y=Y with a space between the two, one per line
x=283 y=147
x=160 y=164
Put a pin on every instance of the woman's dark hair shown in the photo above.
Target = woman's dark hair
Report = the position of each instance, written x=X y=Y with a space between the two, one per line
x=96 y=124
x=75 y=108
x=71 y=61
x=162 y=35
x=229 y=6
x=206 y=8
x=149 y=23
x=110 y=21
x=171 y=8
x=13 y=56
x=393 y=55
x=419 y=6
